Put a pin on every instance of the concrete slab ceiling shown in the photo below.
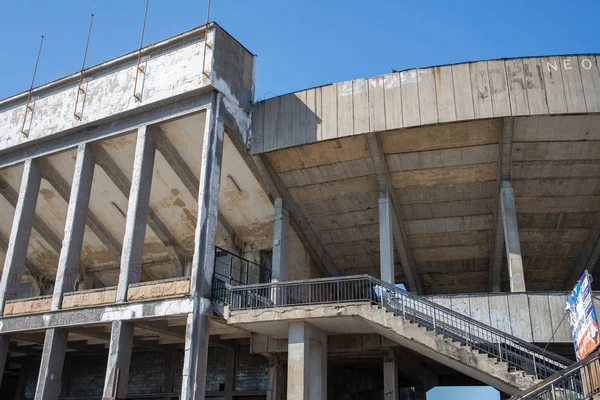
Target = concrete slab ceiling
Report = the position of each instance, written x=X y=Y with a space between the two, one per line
x=445 y=180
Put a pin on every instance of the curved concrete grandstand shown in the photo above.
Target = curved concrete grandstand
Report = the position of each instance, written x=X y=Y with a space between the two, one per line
x=448 y=144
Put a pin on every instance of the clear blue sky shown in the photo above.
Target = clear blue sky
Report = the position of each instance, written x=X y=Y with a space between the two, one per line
x=300 y=44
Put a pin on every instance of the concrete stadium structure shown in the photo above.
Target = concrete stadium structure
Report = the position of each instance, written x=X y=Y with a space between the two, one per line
x=163 y=237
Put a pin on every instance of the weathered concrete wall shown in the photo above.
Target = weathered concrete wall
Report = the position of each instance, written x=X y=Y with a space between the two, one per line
x=171 y=69
x=109 y=91
x=423 y=96
x=233 y=69
x=533 y=316
x=299 y=263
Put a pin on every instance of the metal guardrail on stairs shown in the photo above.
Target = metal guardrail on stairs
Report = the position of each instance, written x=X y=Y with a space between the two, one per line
x=517 y=353
x=578 y=382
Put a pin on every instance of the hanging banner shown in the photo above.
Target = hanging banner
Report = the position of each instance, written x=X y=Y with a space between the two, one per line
x=582 y=317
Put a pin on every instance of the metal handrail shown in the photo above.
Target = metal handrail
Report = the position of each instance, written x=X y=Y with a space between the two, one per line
x=579 y=381
x=260 y=273
x=518 y=353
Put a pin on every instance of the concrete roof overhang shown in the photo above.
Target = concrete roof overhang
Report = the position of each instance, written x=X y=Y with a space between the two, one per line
x=245 y=211
x=444 y=138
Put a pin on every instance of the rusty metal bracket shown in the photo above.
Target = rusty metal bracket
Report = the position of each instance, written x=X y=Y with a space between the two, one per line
x=206 y=44
x=140 y=68
x=28 y=106
x=81 y=90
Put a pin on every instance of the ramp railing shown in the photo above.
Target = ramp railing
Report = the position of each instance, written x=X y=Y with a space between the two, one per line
x=518 y=353
x=577 y=382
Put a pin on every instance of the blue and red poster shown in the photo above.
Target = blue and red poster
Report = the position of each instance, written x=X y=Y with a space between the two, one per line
x=582 y=318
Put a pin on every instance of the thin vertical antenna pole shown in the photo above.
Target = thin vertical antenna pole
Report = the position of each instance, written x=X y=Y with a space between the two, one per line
x=206 y=40
x=28 y=106
x=140 y=68
x=80 y=90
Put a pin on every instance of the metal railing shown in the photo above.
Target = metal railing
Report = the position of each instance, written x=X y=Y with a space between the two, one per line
x=235 y=270
x=579 y=381
x=517 y=353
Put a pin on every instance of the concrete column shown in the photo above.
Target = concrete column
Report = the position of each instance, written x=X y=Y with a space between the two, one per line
x=20 y=383
x=51 y=366
x=386 y=238
x=4 y=344
x=70 y=253
x=66 y=376
x=137 y=212
x=18 y=243
x=511 y=238
x=390 y=376
x=119 y=358
x=281 y=242
x=170 y=363
x=230 y=373
x=20 y=233
x=307 y=363
x=276 y=378
x=203 y=263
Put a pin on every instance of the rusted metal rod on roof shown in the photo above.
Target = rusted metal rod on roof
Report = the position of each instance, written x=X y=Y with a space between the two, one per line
x=28 y=106
x=140 y=68
x=206 y=40
x=80 y=90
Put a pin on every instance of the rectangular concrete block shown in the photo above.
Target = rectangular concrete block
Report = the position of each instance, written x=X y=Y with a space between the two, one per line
x=541 y=323
x=520 y=319
x=89 y=298
x=29 y=306
x=158 y=290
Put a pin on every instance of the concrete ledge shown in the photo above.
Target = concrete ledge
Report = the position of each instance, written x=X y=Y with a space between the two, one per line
x=28 y=306
x=158 y=289
x=101 y=315
x=89 y=298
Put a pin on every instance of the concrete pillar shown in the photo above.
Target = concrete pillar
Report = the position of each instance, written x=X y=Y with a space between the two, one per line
x=137 y=212
x=307 y=363
x=511 y=237
x=230 y=373
x=20 y=383
x=51 y=366
x=20 y=233
x=70 y=253
x=390 y=376
x=386 y=238
x=281 y=242
x=203 y=263
x=276 y=378
x=119 y=358
x=4 y=344
x=18 y=243
x=170 y=362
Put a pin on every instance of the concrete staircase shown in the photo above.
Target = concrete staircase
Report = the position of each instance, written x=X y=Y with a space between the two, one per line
x=471 y=347
x=448 y=351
